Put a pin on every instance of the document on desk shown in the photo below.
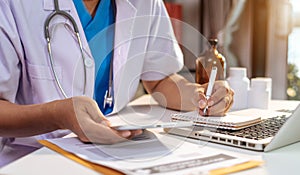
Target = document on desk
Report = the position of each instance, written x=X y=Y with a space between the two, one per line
x=149 y=153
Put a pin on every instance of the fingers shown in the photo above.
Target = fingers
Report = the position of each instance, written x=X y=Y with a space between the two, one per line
x=105 y=135
x=90 y=124
x=98 y=133
x=220 y=108
x=202 y=102
x=131 y=134
x=93 y=111
x=91 y=131
x=136 y=132
x=220 y=101
x=219 y=95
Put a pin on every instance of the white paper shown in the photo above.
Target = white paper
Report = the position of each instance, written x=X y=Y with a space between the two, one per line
x=149 y=154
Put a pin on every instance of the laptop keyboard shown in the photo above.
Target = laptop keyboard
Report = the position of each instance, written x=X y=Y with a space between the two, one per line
x=266 y=128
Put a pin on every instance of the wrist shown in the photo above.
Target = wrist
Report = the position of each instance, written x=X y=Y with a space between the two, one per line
x=58 y=114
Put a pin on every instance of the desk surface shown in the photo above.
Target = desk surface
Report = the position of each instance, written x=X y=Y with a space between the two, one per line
x=280 y=161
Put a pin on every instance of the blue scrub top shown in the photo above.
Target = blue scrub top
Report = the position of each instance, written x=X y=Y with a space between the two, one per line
x=99 y=32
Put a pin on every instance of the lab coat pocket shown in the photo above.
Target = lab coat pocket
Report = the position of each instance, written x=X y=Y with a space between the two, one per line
x=44 y=87
x=43 y=72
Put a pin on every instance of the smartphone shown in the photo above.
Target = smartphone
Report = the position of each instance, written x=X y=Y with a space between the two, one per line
x=177 y=124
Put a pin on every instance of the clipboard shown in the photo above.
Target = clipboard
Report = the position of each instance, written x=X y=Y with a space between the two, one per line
x=96 y=167
x=110 y=171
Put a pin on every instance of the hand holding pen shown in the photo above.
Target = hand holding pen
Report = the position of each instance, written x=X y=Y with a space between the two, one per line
x=218 y=97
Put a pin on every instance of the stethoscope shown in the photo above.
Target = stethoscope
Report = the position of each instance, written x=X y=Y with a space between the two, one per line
x=108 y=99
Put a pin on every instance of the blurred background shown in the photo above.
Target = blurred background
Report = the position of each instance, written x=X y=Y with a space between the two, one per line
x=261 y=35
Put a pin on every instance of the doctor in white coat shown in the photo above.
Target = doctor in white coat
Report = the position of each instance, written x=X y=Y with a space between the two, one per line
x=32 y=105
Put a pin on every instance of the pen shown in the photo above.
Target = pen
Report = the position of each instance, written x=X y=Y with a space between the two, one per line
x=210 y=86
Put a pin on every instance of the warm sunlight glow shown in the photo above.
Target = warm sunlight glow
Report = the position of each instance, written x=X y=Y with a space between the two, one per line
x=296 y=5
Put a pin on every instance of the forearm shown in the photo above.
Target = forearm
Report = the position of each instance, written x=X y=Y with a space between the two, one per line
x=26 y=120
x=175 y=92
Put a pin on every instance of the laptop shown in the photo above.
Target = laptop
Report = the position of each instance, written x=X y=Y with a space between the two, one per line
x=269 y=134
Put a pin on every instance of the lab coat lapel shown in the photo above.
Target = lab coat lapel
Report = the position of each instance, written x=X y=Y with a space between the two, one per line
x=126 y=13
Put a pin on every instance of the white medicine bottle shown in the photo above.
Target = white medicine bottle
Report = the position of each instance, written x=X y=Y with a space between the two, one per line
x=259 y=94
x=240 y=83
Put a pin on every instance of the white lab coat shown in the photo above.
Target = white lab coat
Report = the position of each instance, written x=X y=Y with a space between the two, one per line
x=145 y=48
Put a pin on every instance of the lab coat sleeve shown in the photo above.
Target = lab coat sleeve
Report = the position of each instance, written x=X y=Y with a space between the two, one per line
x=9 y=55
x=164 y=56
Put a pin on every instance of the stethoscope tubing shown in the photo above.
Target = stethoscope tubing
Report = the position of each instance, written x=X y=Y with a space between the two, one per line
x=108 y=99
x=59 y=12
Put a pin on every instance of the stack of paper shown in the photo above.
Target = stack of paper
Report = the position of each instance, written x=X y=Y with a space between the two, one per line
x=147 y=154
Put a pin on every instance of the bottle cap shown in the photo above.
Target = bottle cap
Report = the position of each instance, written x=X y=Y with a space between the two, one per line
x=258 y=84
x=262 y=84
x=237 y=71
x=265 y=79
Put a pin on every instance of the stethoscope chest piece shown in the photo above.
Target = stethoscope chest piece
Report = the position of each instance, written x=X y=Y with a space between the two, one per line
x=108 y=99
